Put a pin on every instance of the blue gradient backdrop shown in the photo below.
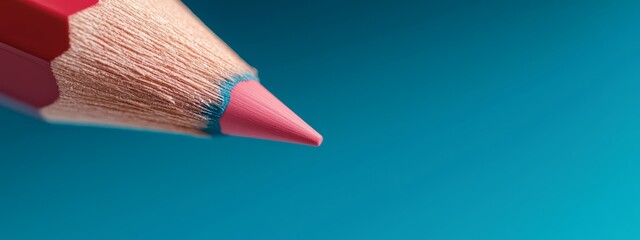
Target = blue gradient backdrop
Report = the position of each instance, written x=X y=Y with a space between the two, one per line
x=442 y=120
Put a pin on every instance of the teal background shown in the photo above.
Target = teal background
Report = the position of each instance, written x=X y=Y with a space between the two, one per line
x=442 y=120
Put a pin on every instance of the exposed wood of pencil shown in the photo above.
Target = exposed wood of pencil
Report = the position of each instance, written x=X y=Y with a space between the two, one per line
x=141 y=63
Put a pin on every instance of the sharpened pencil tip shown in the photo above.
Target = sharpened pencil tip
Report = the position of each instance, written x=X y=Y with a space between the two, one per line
x=317 y=139
x=254 y=112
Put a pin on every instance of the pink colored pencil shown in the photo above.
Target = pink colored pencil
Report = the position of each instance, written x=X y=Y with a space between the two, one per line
x=145 y=64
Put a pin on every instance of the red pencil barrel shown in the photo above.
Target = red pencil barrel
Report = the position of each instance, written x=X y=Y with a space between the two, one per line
x=32 y=34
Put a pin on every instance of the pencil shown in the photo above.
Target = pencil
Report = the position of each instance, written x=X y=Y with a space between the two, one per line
x=144 y=64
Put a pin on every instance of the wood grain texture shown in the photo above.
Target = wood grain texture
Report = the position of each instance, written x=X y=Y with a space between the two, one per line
x=141 y=63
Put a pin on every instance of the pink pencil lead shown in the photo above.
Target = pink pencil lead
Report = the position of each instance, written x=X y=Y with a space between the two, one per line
x=254 y=112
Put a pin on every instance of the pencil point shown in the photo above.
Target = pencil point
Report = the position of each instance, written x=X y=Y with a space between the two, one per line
x=254 y=112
